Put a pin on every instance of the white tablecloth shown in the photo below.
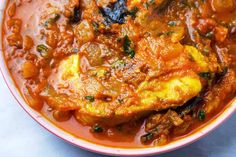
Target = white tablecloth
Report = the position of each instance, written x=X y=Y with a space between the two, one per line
x=21 y=136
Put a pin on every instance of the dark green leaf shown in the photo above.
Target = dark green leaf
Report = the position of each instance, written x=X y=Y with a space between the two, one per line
x=118 y=64
x=43 y=50
x=201 y=115
x=189 y=106
x=172 y=23
x=206 y=51
x=120 y=100
x=185 y=3
x=119 y=40
x=147 y=137
x=220 y=75
x=127 y=47
x=146 y=5
x=52 y=20
x=206 y=75
x=89 y=98
x=95 y=26
x=97 y=128
x=224 y=71
x=133 y=11
x=168 y=33
x=209 y=35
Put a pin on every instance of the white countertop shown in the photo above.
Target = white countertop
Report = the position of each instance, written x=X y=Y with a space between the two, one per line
x=21 y=136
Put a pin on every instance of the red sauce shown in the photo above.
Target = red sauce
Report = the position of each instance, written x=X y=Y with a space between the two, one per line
x=29 y=14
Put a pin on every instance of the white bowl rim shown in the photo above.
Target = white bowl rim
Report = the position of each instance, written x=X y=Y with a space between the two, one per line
x=100 y=148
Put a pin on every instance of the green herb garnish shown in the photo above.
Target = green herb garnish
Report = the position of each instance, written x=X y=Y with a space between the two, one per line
x=209 y=35
x=120 y=100
x=146 y=5
x=185 y=3
x=201 y=115
x=172 y=23
x=206 y=51
x=95 y=26
x=90 y=98
x=52 y=20
x=43 y=50
x=221 y=74
x=97 y=128
x=149 y=3
x=133 y=12
x=127 y=47
x=147 y=137
x=206 y=75
x=168 y=33
x=224 y=71
x=119 y=40
x=118 y=64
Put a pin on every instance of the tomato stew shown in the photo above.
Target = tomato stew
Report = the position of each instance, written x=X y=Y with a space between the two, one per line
x=123 y=73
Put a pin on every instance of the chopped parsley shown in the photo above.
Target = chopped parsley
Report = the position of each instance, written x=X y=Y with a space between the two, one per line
x=147 y=137
x=52 y=20
x=209 y=35
x=206 y=51
x=121 y=101
x=172 y=23
x=89 y=98
x=127 y=47
x=97 y=128
x=221 y=74
x=224 y=71
x=201 y=115
x=43 y=50
x=95 y=26
x=168 y=33
x=133 y=11
x=149 y=3
x=118 y=64
x=206 y=75
x=119 y=40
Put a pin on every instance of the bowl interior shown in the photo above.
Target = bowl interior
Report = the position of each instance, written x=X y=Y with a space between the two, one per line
x=98 y=148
